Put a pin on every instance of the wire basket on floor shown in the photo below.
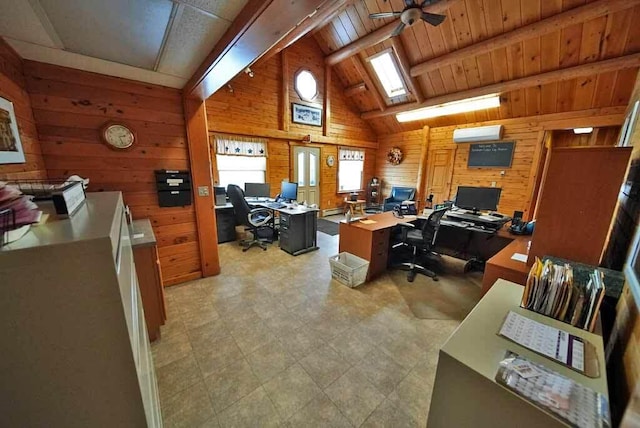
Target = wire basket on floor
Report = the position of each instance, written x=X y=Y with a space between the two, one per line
x=349 y=269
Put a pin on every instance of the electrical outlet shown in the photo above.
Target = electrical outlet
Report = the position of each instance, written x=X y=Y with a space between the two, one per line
x=493 y=184
x=203 y=190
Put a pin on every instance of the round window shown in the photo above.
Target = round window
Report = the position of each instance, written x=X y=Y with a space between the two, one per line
x=306 y=85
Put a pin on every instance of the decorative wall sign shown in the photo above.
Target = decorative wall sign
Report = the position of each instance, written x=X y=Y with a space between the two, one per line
x=10 y=143
x=306 y=115
x=394 y=156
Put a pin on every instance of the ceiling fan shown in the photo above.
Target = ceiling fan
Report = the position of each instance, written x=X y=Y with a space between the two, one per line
x=411 y=14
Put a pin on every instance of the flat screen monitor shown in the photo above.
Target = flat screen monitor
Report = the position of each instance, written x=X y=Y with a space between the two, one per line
x=478 y=198
x=289 y=191
x=257 y=190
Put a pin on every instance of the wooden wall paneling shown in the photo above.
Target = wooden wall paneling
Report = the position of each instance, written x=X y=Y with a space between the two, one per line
x=530 y=12
x=422 y=167
x=406 y=173
x=371 y=86
x=72 y=105
x=326 y=123
x=285 y=105
x=534 y=175
x=550 y=46
x=13 y=88
x=404 y=64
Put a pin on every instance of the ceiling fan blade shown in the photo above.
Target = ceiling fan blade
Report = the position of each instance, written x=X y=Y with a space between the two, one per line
x=398 y=29
x=433 y=19
x=428 y=2
x=385 y=15
x=408 y=3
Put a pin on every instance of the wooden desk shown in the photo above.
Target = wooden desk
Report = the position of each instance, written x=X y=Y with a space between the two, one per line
x=465 y=393
x=354 y=205
x=503 y=266
x=370 y=241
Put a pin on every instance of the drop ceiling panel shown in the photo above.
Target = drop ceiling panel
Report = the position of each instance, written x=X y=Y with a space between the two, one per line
x=226 y=9
x=19 y=20
x=123 y=31
x=190 y=40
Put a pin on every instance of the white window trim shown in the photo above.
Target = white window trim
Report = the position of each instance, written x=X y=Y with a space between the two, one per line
x=395 y=62
x=340 y=161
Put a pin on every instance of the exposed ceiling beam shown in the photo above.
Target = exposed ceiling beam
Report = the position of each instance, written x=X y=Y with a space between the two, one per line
x=528 y=32
x=258 y=27
x=357 y=62
x=405 y=66
x=379 y=35
x=352 y=90
x=591 y=69
x=325 y=14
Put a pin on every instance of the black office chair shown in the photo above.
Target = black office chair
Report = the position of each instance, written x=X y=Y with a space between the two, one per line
x=423 y=239
x=255 y=220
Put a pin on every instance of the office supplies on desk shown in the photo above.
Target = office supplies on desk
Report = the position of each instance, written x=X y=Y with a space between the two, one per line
x=276 y=205
x=519 y=257
x=554 y=343
x=572 y=402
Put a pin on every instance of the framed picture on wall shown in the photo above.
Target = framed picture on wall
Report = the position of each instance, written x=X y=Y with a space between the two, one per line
x=10 y=143
x=306 y=115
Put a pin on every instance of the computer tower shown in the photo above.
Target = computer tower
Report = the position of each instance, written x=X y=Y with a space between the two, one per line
x=221 y=196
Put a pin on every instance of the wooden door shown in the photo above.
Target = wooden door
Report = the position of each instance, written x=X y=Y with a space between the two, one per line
x=439 y=173
x=306 y=171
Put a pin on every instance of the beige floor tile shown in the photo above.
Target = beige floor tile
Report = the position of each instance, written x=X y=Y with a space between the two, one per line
x=319 y=413
x=188 y=408
x=382 y=371
x=169 y=349
x=231 y=384
x=217 y=355
x=413 y=397
x=355 y=396
x=210 y=423
x=403 y=350
x=202 y=336
x=269 y=360
x=177 y=376
x=253 y=337
x=301 y=342
x=324 y=365
x=283 y=323
x=254 y=410
x=387 y=415
x=200 y=315
x=351 y=346
x=291 y=390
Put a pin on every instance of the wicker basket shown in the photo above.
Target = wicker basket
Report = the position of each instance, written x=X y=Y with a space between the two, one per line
x=349 y=269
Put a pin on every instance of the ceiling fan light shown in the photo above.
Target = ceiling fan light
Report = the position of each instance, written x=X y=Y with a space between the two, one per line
x=455 y=107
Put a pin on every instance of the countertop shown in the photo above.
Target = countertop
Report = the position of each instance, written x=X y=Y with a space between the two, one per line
x=142 y=226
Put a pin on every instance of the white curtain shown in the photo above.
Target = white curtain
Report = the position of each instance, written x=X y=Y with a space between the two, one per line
x=239 y=145
x=350 y=154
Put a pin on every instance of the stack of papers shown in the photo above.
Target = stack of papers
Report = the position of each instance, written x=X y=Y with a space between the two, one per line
x=551 y=290
x=19 y=210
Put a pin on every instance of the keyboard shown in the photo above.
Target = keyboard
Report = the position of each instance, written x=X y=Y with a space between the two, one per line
x=276 y=205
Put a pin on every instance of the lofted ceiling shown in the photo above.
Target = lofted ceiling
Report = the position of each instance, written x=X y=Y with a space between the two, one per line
x=585 y=38
x=156 y=41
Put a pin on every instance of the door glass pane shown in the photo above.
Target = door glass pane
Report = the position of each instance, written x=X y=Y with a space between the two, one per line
x=301 y=180
x=313 y=170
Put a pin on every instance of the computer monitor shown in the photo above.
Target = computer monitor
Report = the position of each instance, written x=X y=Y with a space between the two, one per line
x=478 y=198
x=257 y=190
x=289 y=191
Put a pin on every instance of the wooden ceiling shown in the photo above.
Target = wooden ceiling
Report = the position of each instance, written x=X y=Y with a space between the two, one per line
x=601 y=30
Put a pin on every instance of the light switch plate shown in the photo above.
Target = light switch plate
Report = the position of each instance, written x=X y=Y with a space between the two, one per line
x=203 y=190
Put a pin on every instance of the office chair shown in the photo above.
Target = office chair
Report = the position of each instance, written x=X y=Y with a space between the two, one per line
x=254 y=219
x=423 y=239
x=398 y=195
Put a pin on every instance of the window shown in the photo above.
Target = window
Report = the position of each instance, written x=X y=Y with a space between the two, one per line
x=241 y=169
x=386 y=69
x=305 y=85
x=240 y=159
x=350 y=168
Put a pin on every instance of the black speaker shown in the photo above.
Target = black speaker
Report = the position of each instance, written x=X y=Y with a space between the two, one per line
x=517 y=217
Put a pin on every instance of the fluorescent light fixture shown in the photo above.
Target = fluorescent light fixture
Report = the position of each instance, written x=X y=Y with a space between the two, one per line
x=388 y=75
x=455 y=107
x=582 y=130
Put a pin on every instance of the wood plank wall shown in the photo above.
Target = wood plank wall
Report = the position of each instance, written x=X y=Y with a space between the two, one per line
x=256 y=107
x=605 y=136
x=13 y=88
x=70 y=106
x=406 y=173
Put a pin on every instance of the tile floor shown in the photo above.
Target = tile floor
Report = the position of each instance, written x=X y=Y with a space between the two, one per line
x=273 y=341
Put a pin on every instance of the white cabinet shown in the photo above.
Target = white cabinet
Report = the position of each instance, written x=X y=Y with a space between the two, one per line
x=75 y=345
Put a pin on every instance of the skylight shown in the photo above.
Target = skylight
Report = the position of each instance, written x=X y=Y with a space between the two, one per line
x=387 y=71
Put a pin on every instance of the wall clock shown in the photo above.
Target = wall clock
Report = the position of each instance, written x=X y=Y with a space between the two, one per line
x=117 y=135
x=394 y=156
x=331 y=160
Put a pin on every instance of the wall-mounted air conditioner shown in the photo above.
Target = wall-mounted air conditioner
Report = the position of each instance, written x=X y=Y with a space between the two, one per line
x=482 y=133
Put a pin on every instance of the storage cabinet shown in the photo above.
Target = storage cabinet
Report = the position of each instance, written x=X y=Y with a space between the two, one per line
x=579 y=192
x=75 y=344
x=145 y=254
